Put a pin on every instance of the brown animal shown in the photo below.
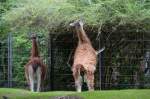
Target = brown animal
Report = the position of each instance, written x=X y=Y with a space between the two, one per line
x=84 y=58
x=35 y=69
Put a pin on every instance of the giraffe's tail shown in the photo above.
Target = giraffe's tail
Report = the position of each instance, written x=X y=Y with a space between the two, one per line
x=101 y=50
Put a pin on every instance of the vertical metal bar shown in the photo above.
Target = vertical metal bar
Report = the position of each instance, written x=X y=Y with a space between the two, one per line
x=10 y=60
x=50 y=62
x=99 y=59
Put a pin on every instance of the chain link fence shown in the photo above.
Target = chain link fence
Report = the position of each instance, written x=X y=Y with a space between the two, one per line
x=125 y=63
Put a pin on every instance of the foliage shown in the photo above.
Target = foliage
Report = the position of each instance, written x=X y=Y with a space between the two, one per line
x=53 y=15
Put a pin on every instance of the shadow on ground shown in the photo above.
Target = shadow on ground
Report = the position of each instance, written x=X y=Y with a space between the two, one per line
x=66 y=97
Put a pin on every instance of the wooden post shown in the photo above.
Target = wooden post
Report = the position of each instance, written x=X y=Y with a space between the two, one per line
x=10 y=60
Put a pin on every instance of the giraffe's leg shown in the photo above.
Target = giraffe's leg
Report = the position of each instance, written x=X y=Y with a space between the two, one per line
x=27 y=75
x=31 y=78
x=78 y=79
x=38 y=73
x=90 y=80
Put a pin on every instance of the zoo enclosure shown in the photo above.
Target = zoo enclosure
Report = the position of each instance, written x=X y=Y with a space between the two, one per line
x=123 y=64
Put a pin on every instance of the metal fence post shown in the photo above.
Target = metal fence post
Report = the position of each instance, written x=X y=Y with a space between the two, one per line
x=100 y=67
x=50 y=62
x=9 y=60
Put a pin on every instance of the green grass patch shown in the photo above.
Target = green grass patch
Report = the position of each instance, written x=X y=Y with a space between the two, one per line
x=111 y=94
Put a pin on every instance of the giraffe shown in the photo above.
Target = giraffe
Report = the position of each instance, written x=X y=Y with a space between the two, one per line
x=84 y=58
x=35 y=69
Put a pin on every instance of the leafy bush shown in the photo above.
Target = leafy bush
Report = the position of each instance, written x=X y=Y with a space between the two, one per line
x=52 y=15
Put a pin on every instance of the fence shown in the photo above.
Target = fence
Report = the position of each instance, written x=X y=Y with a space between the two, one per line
x=14 y=56
x=123 y=64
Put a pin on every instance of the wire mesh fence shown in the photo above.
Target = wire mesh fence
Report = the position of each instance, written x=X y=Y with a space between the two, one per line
x=125 y=63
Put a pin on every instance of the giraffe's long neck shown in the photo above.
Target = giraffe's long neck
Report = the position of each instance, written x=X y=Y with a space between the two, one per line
x=34 y=51
x=83 y=38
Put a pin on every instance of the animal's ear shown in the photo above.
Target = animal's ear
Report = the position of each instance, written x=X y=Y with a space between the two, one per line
x=77 y=23
x=72 y=24
x=81 y=22
x=33 y=35
x=29 y=35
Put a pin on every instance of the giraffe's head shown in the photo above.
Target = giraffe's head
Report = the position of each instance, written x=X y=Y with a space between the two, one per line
x=33 y=36
x=77 y=24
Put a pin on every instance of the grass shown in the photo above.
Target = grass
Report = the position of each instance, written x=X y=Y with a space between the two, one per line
x=111 y=94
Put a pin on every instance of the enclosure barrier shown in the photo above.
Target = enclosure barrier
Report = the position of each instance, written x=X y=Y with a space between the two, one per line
x=125 y=63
